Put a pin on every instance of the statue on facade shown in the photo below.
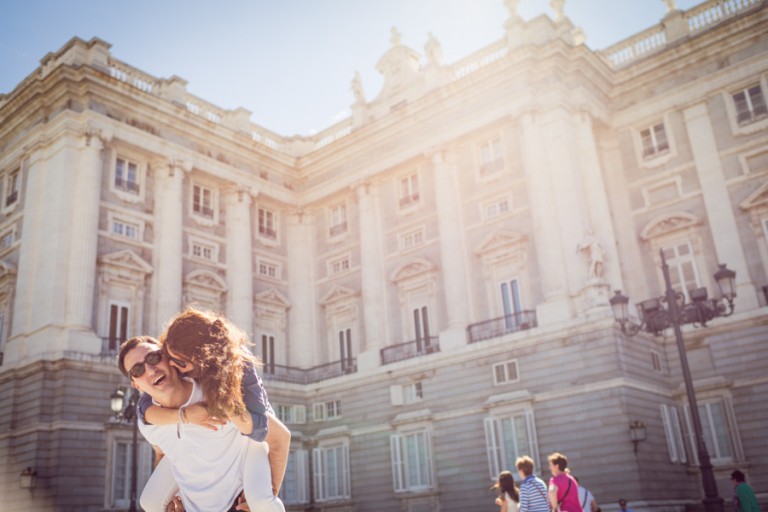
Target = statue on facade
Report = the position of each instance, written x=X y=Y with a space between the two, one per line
x=595 y=254
x=433 y=50
x=511 y=6
x=558 y=7
x=396 y=37
x=357 y=88
x=670 y=5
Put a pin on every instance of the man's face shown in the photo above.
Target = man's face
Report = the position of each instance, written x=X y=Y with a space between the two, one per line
x=159 y=379
x=623 y=505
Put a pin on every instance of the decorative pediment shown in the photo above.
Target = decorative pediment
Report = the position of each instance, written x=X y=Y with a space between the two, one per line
x=502 y=246
x=757 y=198
x=669 y=223
x=338 y=294
x=413 y=268
x=127 y=260
x=274 y=298
x=205 y=279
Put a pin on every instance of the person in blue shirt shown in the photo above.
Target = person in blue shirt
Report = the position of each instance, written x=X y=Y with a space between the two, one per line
x=533 y=490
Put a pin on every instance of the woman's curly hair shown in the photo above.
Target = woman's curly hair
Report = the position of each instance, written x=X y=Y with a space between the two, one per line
x=217 y=350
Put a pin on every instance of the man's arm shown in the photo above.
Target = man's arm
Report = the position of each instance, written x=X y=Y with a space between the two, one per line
x=279 y=441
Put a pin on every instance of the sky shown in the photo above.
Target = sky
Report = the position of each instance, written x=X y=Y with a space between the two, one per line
x=289 y=62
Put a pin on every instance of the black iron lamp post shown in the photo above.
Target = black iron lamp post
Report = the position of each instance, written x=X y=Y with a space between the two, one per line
x=672 y=310
x=124 y=407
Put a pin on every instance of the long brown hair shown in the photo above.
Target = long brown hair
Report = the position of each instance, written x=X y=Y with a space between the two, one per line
x=217 y=350
x=506 y=484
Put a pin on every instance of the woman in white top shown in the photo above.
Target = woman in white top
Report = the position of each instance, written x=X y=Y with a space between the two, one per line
x=509 y=495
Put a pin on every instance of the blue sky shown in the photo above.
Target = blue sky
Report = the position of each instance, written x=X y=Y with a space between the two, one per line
x=290 y=62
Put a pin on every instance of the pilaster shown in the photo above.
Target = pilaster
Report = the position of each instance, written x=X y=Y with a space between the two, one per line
x=372 y=279
x=717 y=201
x=237 y=202
x=300 y=238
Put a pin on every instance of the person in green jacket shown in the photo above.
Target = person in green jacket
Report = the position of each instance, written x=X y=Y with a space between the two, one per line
x=744 y=499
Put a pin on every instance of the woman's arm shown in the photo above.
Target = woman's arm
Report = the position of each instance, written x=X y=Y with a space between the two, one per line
x=553 y=497
x=195 y=414
x=279 y=441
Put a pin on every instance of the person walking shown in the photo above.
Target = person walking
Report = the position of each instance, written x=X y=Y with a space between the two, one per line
x=533 y=490
x=509 y=495
x=563 y=489
x=744 y=499
x=586 y=498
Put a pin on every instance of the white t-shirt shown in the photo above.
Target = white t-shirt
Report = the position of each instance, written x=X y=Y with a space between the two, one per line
x=585 y=499
x=207 y=464
x=512 y=505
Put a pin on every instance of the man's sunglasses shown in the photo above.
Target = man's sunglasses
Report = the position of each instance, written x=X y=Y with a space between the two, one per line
x=152 y=358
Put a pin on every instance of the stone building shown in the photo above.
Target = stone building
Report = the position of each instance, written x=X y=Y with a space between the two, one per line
x=427 y=282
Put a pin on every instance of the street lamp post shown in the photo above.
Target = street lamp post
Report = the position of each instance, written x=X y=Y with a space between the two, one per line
x=124 y=407
x=672 y=310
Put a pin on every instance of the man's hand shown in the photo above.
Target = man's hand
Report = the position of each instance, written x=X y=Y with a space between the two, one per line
x=241 y=504
x=174 y=505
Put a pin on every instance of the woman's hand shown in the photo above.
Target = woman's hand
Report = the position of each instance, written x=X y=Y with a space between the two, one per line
x=197 y=414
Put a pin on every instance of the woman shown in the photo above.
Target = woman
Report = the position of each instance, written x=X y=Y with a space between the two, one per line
x=509 y=496
x=563 y=489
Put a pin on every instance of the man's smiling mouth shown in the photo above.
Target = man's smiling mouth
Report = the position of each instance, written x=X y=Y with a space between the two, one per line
x=159 y=380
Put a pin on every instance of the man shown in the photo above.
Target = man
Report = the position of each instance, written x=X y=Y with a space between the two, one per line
x=586 y=498
x=533 y=490
x=623 y=506
x=208 y=466
x=744 y=499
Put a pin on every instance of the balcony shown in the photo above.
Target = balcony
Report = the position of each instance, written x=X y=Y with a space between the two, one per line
x=410 y=349
x=520 y=321
x=126 y=185
x=267 y=232
x=310 y=375
x=203 y=211
x=338 y=229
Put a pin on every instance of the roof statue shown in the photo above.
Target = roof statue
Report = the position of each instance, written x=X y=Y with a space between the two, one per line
x=557 y=9
x=670 y=5
x=357 y=88
x=433 y=51
x=396 y=37
x=511 y=6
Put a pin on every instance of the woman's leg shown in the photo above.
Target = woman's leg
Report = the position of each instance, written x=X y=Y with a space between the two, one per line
x=257 y=480
x=160 y=489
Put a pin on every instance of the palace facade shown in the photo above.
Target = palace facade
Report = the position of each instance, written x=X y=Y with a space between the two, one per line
x=427 y=281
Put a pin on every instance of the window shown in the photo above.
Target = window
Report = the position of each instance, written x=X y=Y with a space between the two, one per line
x=507 y=438
x=268 y=269
x=125 y=229
x=656 y=361
x=409 y=190
x=331 y=464
x=126 y=176
x=339 y=265
x=505 y=372
x=673 y=433
x=295 y=489
x=654 y=140
x=202 y=201
x=345 y=351
x=491 y=157
x=411 y=239
x=119 y=315
x=267 y=224
x=204 y=250
x=327 y=411
x=338 y=220
x=717 y=429
x=121 y=470
x=268 y=352
x=12 y=188
x=7 y=239
x=291 y=414
x=412 y=461
x=413 y=393
x=511 y=304
x=750 y=105
x=421 y=329
x=496 y=208
x=682 y=267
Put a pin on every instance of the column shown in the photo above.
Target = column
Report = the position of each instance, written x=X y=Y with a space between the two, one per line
x=545 y=225
x=452 y=249
x=81 y=275
x=717 y=201
x=303 y=336
x=167 y=257
x=372 y=277
x=237 y=203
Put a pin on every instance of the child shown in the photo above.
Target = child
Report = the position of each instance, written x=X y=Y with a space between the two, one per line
x=213 y=351
x=509 y=495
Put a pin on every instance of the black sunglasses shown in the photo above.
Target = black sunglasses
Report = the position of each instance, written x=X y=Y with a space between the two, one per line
x=152 y=358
